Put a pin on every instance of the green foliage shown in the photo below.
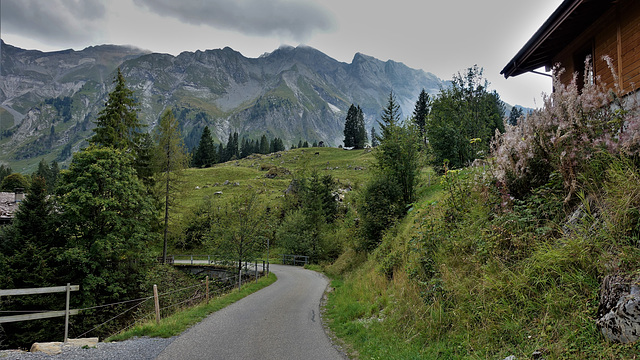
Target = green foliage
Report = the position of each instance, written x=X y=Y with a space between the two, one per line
x=31 y=246
x=239 y=230
x=171 y=158
x=463 y=120
x=355 y=134
x=374 y=137
x=14 y=181
x=143 y=163
x=117 y=124
x=305 y=228
x=4 y=172
x=380 y=207
x=49 y=173
x=387 y=196
x=421 y=113
x=205 y=154
x=63 y=107
x=106 y=217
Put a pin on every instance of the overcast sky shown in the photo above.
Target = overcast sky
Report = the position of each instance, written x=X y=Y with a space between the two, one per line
x=441 y=37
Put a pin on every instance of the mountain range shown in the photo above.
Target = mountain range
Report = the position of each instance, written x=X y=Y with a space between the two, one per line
x=49 y=100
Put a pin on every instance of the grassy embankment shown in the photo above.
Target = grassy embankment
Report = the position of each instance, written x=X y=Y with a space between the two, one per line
x=458 y=279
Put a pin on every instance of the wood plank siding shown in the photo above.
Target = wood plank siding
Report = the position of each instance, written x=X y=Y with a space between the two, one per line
x=615 y=34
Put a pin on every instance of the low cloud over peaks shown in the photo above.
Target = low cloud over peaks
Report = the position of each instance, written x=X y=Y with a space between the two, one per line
x=285 y=18
x=61 y=22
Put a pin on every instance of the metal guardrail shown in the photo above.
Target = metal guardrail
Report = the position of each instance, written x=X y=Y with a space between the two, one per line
x=295 y=260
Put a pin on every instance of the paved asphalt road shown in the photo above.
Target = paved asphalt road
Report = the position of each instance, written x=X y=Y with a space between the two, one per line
x=281 y=321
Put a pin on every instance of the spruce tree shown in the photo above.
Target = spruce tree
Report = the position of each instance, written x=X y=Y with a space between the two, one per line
x=117 y=125
x=205 y=155
x=421 y=111
x=374 y=137
x=350 y=127
x=390 y=116
x=514 y=116
x=264 y=145
x=360 y=130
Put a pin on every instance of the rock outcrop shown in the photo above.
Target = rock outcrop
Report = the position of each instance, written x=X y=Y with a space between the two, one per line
x=619 y=311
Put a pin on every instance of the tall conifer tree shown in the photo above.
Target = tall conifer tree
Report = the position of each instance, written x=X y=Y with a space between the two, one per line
x=117 y=125
x=205 y=155
x=171 y=158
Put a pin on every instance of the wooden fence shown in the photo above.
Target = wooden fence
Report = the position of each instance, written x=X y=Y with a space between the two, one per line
x=43 y=315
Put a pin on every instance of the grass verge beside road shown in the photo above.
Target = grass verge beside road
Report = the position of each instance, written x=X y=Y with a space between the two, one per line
x=179 y=322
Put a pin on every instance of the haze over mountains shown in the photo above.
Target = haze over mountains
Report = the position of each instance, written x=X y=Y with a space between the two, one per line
x=49 y=100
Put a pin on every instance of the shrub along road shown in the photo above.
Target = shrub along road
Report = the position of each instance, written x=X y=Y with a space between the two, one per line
x=281 y=321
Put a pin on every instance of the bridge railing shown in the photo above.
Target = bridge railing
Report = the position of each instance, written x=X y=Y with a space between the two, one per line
x=296 y=260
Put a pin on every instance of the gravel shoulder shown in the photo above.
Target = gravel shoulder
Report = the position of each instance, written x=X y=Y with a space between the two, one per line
x=280 y=321
x=139 y=348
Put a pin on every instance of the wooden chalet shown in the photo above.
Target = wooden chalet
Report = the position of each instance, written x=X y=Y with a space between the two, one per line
x=581 y=28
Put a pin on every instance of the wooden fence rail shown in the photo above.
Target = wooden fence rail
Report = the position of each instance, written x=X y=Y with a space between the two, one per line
x=44 y=315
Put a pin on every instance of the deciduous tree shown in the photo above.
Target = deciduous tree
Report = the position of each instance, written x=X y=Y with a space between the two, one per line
x=464 y=119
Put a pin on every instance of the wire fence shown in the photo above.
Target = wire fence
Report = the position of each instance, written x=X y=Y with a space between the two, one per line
x=112 y=318
x=170 y=302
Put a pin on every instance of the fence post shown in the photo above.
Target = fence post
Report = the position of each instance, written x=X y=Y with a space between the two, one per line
x=66 y=314
x=207 y=282
x=157 y=303
x=191 y=259
x=256 y=270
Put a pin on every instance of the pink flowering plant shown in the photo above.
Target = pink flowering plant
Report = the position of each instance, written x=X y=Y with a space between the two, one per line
x=573 y=127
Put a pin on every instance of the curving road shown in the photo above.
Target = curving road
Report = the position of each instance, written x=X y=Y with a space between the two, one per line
x=281 y=321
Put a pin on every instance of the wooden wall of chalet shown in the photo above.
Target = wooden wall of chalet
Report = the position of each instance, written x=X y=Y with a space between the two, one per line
x=616 y=34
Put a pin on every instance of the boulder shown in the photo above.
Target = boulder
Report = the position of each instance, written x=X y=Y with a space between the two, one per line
x=619 y=310
x=54 y=348
x=50 y=348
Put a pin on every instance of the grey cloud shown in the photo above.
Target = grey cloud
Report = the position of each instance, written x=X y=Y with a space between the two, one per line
x=297 y=20
x=63 y=22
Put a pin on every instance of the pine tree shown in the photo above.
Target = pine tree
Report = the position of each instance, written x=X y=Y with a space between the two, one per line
x=205 y=154
x=117 y=125
x=171 y=159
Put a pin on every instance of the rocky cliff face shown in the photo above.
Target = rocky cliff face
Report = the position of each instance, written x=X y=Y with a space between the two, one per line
x=292 y=93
